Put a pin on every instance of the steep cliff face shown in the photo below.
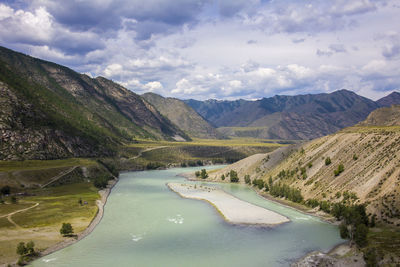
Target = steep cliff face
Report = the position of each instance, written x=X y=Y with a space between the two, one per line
x=183 y=116
x=370 y=156
x=61 y=113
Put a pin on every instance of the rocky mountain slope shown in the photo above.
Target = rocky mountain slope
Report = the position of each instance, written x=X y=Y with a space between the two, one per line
x=183 y=116
x=289 y=117
x=370 y=156
x=49 y=111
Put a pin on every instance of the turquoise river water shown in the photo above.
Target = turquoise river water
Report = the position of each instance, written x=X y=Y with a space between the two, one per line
x=146 y=224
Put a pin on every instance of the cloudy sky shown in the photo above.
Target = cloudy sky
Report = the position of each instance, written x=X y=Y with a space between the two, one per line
x=224 y=49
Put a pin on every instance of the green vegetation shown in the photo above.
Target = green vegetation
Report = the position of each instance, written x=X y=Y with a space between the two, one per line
x=26 y=252
x=283 y=190
x=66 y=229
x=247 y=179
x=259 y=183
x=328 y=161
x=222 y=177
x=233 y=176
x=355 y=157
x=203 y=174
x=339 y=170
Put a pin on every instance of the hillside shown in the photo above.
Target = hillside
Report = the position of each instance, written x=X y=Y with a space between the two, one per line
x=183 y=116
x=50 y=111
x=289 y=117
x=370 y=155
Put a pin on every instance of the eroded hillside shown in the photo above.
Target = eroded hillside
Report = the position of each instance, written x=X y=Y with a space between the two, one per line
x=369 y=155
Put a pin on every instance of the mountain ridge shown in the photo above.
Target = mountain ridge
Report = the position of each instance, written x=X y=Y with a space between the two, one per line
x=289 y=117
x=76 y=115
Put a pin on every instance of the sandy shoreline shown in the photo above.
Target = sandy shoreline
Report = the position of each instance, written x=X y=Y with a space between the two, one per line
x=95 y=221
x=233 y=210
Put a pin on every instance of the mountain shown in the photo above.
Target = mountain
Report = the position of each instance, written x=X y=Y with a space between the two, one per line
x=289 y=117
x=183 y=116
x=49 y=111
x=388 y=116
x=369 y=153
x=391 y=99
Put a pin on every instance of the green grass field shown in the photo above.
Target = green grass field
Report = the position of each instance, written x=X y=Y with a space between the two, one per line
x=58 y=204
x=7 y=166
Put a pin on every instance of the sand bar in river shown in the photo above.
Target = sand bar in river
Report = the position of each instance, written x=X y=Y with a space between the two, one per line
x=233 y=210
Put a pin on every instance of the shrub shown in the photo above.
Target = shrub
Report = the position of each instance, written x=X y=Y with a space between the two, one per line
x=66 y=229
x=21 y=249
x=259 y=183
x=203 y=174
x=355 y=157
x=328 y=161
x=222 y=177
x=339 y=170
x=360 y=235
x=247 y=179
x=233 y=176
x=344 y=232
x=197 y=173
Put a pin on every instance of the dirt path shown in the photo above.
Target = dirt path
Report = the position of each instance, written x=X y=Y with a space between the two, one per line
x=17 y=211
x=146 y=150
x=55 y=178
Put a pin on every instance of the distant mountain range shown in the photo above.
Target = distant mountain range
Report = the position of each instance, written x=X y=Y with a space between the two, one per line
x=183 y=116
x=49 y=111
x=290 y=117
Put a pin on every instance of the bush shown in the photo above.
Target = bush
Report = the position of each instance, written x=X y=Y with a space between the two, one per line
x=101 y=181
x=328 y=161
x=339 y=170
x=344 y=232
x=247 y=179
x=259 y=183
x=21 y=249
x=222 y=177
x=66 y=229
x=355 y=157
x=233 y=176
x=197 y=173
x=360 y=235
x=203 y=174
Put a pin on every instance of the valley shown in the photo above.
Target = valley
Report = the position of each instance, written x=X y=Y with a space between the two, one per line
x=67 y=138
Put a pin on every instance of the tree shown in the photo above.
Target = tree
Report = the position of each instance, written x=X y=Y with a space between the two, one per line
x=21 y=249
x=30 y=247
x=14 y=200
x=233 y=176
x=360 y=235
x=222 y=177
x=203 y=174
x=66 y=229
x=344 y=232
x=197 y=173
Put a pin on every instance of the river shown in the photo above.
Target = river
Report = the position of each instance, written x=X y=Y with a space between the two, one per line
x=146 y=224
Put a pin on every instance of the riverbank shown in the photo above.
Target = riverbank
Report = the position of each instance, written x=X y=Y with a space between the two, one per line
x=232 y=209
x=95 y=221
